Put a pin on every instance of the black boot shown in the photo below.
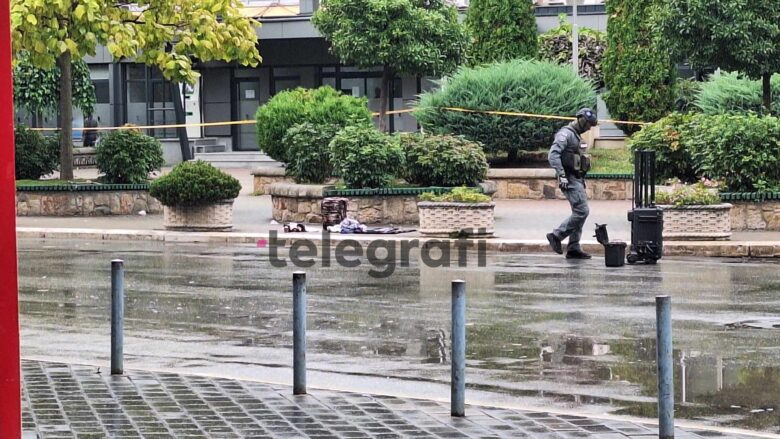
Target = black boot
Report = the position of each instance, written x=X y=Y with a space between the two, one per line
x=555 y=243
x=577 y=254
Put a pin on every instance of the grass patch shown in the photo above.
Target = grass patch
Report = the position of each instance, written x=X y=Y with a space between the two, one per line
x=611 y=161
x=50 y=182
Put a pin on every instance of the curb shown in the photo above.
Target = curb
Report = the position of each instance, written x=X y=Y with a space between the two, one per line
x=719 y=249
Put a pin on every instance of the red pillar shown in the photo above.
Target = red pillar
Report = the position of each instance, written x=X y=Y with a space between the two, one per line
x=10 y=391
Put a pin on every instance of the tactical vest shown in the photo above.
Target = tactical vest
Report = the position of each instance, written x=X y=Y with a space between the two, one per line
x=575 y=163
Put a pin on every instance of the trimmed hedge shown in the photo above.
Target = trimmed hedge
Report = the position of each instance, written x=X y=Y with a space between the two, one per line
x=733 y=93
x=365 y=157
x=195 y=183
x=308 y=152
x=741 y=151
x=36 y=155
x=443 y=161
x=512 y=86
x=320 y=106
x=501 y=30
x=555 y=46
x=128 y=156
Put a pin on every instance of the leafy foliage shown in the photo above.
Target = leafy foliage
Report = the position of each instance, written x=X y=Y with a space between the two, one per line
x=638 y=71
x=743 y=151
x=457 y=195
x=555 y=46
x=128 y=156
x=685 y=93
x=518 y=86
x=36 y=155
x=322 y=106
x=670 y=138
x=412 y=37
x=443 y=160
x=501 y=30
x=37 y=90
x=194 y=183
x=611 y=161
x=366 y=158
x=732 y=93
x=309 y=152
x=685 y=195
x=733 y=35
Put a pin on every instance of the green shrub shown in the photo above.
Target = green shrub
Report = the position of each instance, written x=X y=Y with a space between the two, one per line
x=743 y=151
x=128 y=156
x=321 y=106
x=36 y=155
x=457 y=195
x=443 y=160
x=670 y=138
x=638 y=71
x=514 y=86
x=501 y=30
x=194 y=183
x=555 y=46
x=365 y=158
x=733 y=93
x=685 y=93
x=308 y=152
x=697 y=194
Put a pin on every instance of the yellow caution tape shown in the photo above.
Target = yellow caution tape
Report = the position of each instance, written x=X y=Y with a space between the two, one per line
x=389 y=113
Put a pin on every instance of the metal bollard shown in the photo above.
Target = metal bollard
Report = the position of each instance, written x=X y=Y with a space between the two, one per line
x=663 y=313
x=117 y=316
x=458 y=383
x=299 y=333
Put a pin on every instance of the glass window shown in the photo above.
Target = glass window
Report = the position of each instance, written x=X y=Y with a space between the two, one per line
x=102 y=94
x=136 y=71
x=136 y=92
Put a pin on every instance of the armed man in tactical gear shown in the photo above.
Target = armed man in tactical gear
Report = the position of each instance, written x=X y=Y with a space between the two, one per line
x=571 y=165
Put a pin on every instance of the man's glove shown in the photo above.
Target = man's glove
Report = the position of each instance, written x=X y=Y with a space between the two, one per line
x=563 y=183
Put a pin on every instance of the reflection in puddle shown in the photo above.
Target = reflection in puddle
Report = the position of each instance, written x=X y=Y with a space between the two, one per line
x=574 y=335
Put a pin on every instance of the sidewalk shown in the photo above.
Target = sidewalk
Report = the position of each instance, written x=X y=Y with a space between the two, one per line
x=521 y=226
x=67 y=401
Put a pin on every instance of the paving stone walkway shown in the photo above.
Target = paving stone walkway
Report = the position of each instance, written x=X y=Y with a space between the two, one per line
x=68 y=401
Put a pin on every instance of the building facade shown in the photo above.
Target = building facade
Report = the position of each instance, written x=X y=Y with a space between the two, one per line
x=294 y=55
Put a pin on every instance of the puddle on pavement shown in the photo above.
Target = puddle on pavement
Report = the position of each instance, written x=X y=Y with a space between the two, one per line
x=568 y=335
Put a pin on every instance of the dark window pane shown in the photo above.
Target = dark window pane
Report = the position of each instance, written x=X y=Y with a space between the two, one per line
x=102 y=94
x=136 y=92
x=136 y=71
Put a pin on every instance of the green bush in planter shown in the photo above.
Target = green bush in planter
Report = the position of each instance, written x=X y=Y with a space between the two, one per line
x=366 y=158
x=443 y=160
x=457 y=195
x=513 y=86
x=743 y=151
x=194 y=183
x=320 y=106
x=128 y=156
x=308 y=152
x=36 y=155
x=671 y=139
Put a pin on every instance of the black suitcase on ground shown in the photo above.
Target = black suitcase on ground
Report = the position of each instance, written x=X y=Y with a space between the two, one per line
x=647 y=220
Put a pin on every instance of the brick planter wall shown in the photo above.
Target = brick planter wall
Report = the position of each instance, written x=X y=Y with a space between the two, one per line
x=85 y=203
x=301 y=203
x=541 y=184
x=749 y=215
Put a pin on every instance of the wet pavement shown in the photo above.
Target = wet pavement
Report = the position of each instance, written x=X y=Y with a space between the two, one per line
x=66 y=401
x=542 y=332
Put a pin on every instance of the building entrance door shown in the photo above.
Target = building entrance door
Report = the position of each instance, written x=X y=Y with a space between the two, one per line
x=248 y=101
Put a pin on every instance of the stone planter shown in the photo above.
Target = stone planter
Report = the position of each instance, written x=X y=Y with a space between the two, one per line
x=443 y=219
x=682 y=223
x=217 y=217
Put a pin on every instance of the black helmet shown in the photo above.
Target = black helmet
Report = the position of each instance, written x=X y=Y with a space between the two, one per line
x=589 y=115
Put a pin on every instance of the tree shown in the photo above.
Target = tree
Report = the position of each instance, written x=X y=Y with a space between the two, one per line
x=37 y=90
x=412 y=37
x=167 y=34
x=501 y=30
x=733 y=35
x=638 y=71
